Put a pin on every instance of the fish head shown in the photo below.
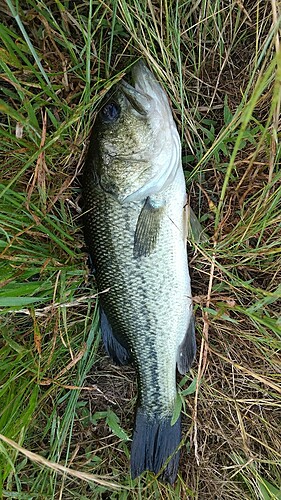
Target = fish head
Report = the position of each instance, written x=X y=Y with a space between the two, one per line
x=137 y=140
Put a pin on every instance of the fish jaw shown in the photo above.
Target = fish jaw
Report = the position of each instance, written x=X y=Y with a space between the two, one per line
x=153 y=101
x=146 y=83
x=142 y=103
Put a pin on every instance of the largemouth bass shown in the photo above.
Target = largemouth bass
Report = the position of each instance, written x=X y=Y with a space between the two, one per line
x=135 y=228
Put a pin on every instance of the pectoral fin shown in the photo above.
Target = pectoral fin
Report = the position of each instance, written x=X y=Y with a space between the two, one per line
x=148 y=227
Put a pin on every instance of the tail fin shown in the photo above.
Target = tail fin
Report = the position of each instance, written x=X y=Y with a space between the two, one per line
x=154 y=441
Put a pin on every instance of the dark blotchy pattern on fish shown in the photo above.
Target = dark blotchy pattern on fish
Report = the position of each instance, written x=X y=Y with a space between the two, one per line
x=138 y=302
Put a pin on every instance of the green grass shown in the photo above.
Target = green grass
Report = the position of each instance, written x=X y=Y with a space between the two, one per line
x=67 y=409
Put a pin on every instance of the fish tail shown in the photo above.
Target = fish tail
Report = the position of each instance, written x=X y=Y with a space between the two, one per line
x=154 y=441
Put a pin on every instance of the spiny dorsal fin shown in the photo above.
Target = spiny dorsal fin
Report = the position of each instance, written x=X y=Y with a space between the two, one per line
x=148 y=227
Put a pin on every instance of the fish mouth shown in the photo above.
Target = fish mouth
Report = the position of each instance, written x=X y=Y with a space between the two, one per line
x=140 y=102
x=150 y=101
x=142 y=95
x=144 y=80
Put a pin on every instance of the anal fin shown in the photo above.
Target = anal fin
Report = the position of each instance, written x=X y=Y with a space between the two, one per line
x=187 y=349
x=114 y=349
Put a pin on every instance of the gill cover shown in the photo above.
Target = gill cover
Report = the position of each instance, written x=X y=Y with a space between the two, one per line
x=150 y=100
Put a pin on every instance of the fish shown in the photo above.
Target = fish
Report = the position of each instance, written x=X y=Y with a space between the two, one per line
x=134 y=197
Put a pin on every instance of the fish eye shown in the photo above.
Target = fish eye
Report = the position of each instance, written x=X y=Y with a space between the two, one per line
x=110 y=112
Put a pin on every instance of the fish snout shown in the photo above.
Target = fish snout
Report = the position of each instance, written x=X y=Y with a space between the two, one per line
x=140 y=102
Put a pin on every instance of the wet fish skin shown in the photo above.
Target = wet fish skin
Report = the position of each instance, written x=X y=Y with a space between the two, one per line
x=134 y=197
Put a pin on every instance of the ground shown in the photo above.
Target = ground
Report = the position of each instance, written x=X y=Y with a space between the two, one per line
x=63 y=402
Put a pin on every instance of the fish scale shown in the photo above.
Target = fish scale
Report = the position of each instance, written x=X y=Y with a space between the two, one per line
x=145 y=283
x=146 y=304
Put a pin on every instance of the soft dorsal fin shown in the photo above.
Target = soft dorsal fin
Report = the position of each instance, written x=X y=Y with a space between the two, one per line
x=119 y=354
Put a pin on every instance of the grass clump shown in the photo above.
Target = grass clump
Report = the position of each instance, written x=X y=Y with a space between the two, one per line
x=66 y=412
